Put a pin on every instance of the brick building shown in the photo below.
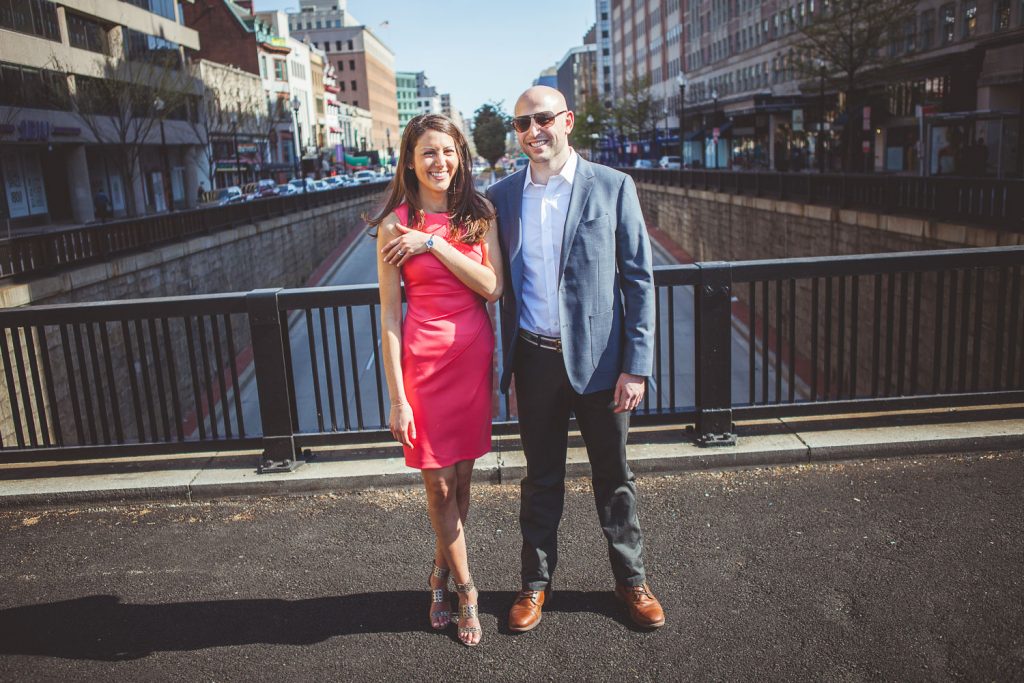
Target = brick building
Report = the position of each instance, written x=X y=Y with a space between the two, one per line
x=364 y=65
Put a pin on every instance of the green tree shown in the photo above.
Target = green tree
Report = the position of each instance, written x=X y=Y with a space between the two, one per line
x=490 y=127
x=592 y=121
x=849 y=42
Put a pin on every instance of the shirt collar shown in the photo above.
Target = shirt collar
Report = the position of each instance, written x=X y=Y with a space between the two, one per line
x=567 y=173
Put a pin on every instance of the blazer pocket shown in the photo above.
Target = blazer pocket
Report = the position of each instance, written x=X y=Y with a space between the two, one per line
x=601 y=341
x=596 y=223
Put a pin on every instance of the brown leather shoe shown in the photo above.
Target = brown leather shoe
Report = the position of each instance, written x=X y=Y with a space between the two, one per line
x=644 y=608
x=525 y=612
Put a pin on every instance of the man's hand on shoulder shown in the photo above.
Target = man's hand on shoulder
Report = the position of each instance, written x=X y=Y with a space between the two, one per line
x=629 y=391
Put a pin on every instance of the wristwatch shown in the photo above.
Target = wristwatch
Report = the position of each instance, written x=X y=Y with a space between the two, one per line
x=429 y=244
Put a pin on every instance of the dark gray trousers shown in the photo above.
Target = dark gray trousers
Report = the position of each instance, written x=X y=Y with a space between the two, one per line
x=545 y=400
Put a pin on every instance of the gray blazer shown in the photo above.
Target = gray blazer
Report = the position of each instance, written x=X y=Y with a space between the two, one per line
x=605 y=281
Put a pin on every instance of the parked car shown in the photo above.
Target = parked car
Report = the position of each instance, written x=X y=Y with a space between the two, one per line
x=285 y=189
x=230 y=195
x=321 y=185
x=302 y=184
x=670 y=162
x=643 y=163
x=364 y=177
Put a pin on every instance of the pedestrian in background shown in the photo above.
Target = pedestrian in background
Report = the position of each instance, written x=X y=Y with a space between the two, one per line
x=437 y=234
x=578 y=335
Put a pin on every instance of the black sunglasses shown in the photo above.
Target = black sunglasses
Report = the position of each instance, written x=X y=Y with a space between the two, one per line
x=543 y=119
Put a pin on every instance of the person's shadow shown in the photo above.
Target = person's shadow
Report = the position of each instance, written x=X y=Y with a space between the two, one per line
x=101 y=627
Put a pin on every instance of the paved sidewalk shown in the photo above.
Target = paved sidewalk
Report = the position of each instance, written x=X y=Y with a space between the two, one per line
x=651 y=450
x=895 y=569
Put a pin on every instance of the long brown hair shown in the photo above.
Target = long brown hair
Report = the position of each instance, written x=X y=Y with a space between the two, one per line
x=469 y=214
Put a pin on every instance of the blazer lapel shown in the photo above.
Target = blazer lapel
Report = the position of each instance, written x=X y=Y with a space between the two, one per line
x=514 y=210
x=582 y=184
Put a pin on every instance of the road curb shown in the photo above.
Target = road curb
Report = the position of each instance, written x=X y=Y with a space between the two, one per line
x=507 y=466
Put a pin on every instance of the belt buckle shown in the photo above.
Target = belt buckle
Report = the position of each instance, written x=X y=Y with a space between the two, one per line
x=558 y=345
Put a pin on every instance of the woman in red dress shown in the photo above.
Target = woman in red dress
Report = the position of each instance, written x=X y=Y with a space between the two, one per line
x=437 y=234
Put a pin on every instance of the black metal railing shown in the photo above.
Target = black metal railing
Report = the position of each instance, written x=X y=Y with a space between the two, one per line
x=47 y=252
x=985 y=201
x=282 y=370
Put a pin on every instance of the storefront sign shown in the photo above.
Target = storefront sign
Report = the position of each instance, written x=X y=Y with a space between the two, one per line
x=66 y=131
x=247 y=148
x=34 y=130
x=7 y=129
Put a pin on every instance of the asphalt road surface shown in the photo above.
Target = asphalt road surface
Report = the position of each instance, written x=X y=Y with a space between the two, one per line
x=893 y=569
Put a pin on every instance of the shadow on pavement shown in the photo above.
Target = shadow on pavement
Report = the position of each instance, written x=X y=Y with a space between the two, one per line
x=101 y=627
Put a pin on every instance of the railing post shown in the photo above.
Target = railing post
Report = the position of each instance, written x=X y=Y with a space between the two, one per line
x=266 y=327
x=713 y=357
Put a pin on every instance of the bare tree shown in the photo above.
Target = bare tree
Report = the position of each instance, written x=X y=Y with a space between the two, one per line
x=634 y=113
x=847 y=43
x=123 y=103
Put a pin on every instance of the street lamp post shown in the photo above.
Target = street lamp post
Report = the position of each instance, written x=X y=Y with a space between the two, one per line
x=159 y=105
x=234 y=143
x=821 y=121
x=714 y=124
x=296 y=105
x=681 y=82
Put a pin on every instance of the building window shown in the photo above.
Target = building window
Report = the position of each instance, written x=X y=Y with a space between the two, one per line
x=87 y=34
x=970 y=13
x=947 y=24
x=352 y=64
x=280 y=71
x=927 y=28
x=142 y=47
x=319 y=24
x=909 y=36
x=263 y=66
x=341 y=86
x=350 y=45
x=1001 y=16
x=337 y=46
x=354 y=88
x=35 y=17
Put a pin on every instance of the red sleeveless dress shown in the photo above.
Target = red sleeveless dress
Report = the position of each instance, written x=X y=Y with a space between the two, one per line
x=447 y=352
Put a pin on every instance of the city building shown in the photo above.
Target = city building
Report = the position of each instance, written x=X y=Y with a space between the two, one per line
x=647 y=48
x=947 y=102
x=65 y=149
x=232 y=35
x=577 y=74
x=233 y=116
x=364 y=66
x=603 y=55
x=405 y=93
x=548 y=77
x=299 y=76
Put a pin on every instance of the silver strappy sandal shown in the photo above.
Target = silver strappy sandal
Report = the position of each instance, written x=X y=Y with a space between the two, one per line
x=468 y=612
x=440 y=596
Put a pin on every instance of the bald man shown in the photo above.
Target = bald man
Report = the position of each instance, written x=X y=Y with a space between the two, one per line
x=578 y=335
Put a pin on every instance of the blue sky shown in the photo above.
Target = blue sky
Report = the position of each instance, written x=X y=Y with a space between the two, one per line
x=478 y=50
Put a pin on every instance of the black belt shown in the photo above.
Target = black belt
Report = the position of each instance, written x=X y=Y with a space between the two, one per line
x=540 y=341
